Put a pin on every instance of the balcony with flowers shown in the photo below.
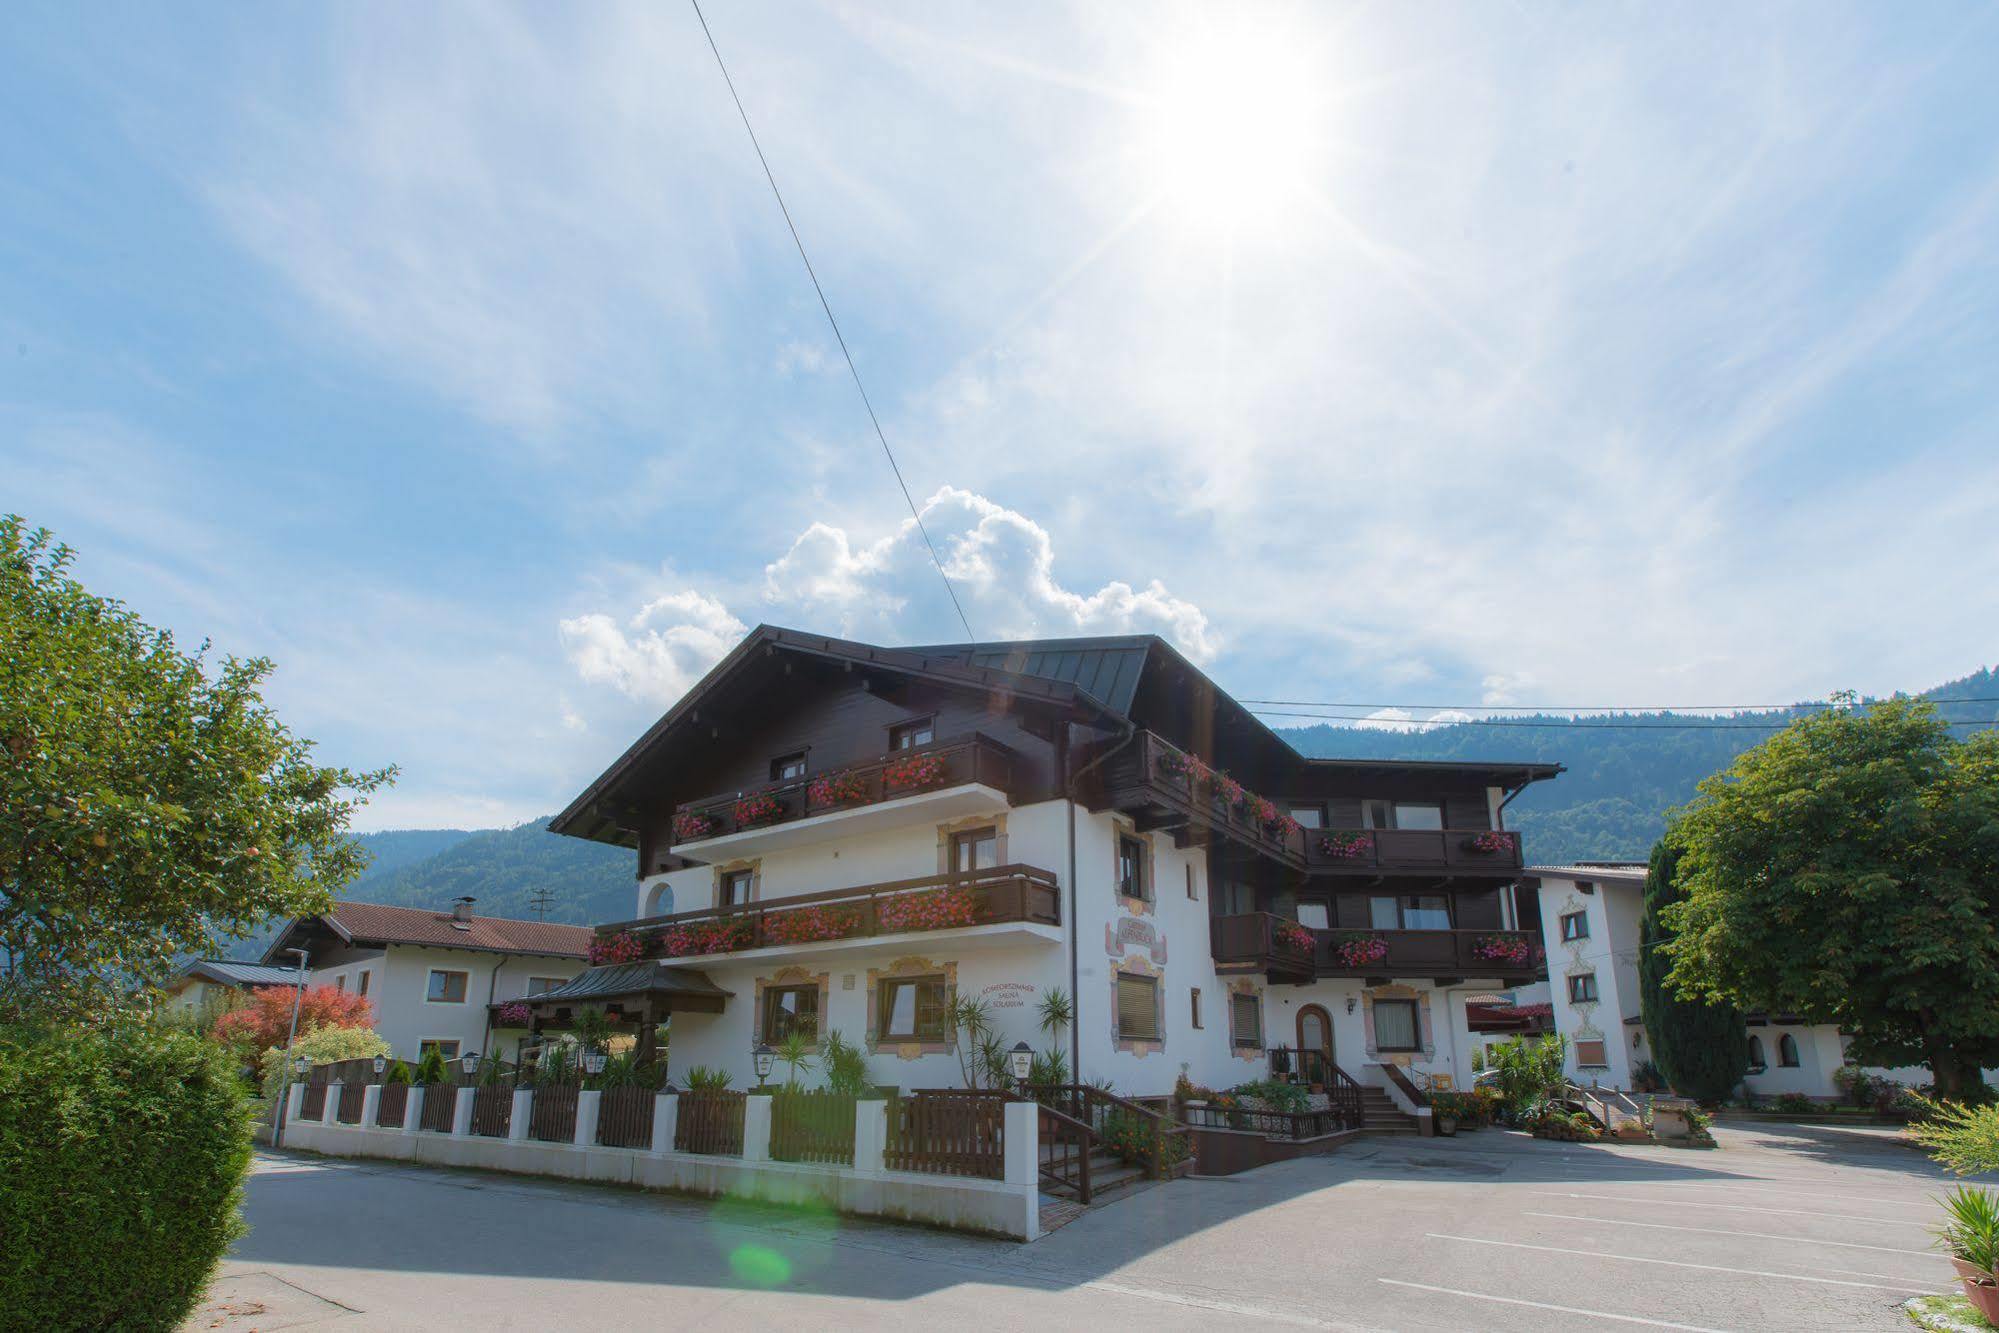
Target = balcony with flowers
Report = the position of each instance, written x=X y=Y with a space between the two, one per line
x=970 y=775
x=1002 y=902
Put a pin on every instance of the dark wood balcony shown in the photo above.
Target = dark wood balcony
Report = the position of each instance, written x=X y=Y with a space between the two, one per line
x=1003 y=895
x=1515 y=956
x=1396 y=851
x=1263 y=942
x=966 y=760
x=1163 y=787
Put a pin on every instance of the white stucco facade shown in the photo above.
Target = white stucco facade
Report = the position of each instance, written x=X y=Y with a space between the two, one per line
x=1164 y=936
x=396 y=979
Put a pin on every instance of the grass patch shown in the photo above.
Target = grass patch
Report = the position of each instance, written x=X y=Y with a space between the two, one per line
x=1946 y=1314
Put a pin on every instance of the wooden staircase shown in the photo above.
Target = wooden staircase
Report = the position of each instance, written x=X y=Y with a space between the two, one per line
x=1380 y=1115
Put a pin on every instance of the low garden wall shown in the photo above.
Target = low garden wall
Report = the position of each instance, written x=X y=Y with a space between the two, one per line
x=1007 y=1206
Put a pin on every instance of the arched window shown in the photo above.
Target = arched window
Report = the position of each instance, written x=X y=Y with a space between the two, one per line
x=1787 y=1051
x=1756 y=1060
x=659 y=902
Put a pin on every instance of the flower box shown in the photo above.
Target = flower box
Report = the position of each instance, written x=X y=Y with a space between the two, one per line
x=1512 y=949
x=805 y=925
x=1294 y=936
x=1490 y=844
x=758 y=809
x=929 y=909
x=1344 y=846
x=1359 y=949
x=610 y=950
x=690 y=825
x=914 y=773
x=844 y=788
x=514 y=1015
x=721 y=936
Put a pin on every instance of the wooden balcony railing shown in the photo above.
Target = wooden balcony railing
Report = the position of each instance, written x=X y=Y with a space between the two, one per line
x=1420 y=953
x=953 y=763
x=1269 y=942
x=1372 y=851
x=1001 y=895
x=1264 y=942
x=1160 y=770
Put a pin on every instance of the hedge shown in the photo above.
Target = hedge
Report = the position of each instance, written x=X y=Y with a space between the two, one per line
x=123 y=1155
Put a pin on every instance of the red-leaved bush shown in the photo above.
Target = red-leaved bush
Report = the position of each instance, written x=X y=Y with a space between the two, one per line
x=267 y=1018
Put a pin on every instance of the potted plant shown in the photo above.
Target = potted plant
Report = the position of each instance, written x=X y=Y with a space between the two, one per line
x=1972 y=1237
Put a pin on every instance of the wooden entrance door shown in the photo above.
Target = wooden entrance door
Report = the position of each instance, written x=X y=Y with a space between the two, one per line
x=1315 y=1044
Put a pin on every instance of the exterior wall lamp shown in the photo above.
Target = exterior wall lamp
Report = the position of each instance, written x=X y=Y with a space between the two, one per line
x=763 y=1056
x=1021 y=1057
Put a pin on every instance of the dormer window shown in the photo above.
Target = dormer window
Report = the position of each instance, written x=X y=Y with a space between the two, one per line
x=912 y=734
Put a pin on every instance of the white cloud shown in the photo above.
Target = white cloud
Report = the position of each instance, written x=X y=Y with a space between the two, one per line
x=1002 y=564
x=657 y=654
x=798 y=355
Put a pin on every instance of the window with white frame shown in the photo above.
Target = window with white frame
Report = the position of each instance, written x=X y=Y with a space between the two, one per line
x=446 y=987
x=446 y=1047
x=1582 y=988
x=1397 y=1026
x=1575 y=926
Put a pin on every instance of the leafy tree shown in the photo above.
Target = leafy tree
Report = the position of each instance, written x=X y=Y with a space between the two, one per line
x=1702 y=1049
x=430 y=1067
x=321 y=1046
x=267 y=1019
x=148 y=808
x=1847 y=870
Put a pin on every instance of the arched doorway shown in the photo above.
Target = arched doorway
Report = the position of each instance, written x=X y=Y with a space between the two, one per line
x=1315 y=1044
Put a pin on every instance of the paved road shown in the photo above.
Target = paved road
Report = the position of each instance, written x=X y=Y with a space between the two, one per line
x=1782 y=1228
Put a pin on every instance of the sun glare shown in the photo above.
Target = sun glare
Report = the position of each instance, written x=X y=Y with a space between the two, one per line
x=1235 y=119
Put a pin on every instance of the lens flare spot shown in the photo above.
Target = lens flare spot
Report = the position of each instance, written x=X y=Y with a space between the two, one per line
x=759 y=1265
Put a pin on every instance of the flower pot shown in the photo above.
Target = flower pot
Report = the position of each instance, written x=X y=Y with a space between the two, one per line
x=1984 y=1297
x=1969 y=1271
x=1447 y=1125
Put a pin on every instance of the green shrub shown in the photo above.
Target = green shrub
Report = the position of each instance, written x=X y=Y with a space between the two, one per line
x=1963 y=1138
x=1569 y=1126
x=1133 y=1139
x=430 y=1067
x=398 y=1073
x=321 y=1046
x=123 y=1153
x=1277 y=1096
x=1795 y=1103
x=846 y=1067
x=703 y=1079
x=1529 y=1073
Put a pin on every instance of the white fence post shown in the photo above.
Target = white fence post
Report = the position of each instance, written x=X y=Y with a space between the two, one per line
x=461 y=1113
x=371 y=1106
x=295 y=1110
x=1021 y=1132
x=870 y=1135
x=329 y=1110
x=521 y=1116
x=756 y=1129
x=665 y=1121
x=588 y=1104
x=413 y=1108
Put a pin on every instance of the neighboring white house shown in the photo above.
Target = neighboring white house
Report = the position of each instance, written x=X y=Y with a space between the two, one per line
x=207 y=983
x=838 y=836
x=435 y=978
x=1590 y=921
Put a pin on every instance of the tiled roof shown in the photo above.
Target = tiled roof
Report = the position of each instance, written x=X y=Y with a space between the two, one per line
x=378 y=923
x=616 y=979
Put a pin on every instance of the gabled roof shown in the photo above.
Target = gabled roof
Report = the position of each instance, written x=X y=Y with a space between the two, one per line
x=1107 y=668
x=378 y=924
x=224 y=972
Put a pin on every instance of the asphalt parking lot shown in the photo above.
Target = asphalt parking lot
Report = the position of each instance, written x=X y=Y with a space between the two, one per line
x=1781 y=1228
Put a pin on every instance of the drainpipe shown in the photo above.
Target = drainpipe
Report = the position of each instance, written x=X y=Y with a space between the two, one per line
x=492 y=989
x=1069 y=781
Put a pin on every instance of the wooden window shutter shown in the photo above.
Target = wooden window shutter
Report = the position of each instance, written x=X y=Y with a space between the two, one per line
x=1137 y=1008
x=1245 y=1020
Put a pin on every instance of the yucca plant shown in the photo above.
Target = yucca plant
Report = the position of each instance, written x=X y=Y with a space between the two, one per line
x=798 y=1053
x=1972 y=1233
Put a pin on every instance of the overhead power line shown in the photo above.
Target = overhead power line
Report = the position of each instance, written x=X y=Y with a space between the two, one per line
x=827 y=306
x=1571 y=723
x=1599 y=708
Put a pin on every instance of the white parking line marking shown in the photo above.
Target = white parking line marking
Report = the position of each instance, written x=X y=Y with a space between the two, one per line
x=1736 y=1208
x=1755 y=1235
x=1681 y=1263
x=1747 y=1181
x=1543 y=1305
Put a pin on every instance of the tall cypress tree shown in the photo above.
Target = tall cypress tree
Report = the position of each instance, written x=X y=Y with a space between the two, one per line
x=1702 y=1049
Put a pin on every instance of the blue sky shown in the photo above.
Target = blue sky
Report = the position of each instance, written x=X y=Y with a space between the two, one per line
x=457 y=358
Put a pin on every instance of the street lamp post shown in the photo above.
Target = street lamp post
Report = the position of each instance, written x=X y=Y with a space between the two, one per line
x=763 y=1055
x=1021 y=1057
x=284 y=1099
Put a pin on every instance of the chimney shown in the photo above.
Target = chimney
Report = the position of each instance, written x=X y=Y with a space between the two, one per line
x=461 y=913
